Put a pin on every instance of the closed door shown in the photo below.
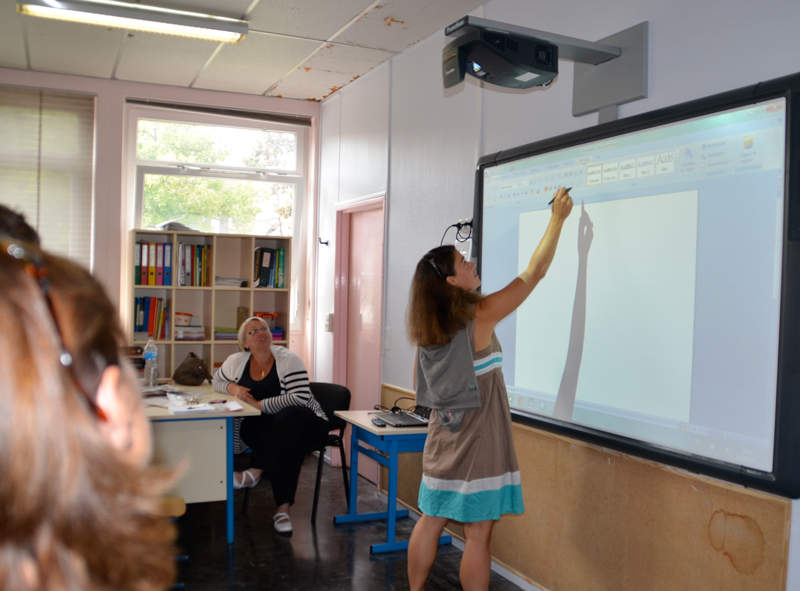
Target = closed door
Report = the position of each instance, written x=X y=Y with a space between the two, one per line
x=361 y=343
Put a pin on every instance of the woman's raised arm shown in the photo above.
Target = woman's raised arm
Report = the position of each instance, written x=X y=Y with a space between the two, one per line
x=496 y=306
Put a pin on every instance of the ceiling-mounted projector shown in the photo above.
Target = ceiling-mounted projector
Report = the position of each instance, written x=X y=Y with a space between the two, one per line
x=498 y=57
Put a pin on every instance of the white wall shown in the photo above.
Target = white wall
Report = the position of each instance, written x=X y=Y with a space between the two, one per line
x=696 y=49
x=111 y=223
x=354 y=164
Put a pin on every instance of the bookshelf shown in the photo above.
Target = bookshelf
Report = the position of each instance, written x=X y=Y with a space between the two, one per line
x=211 y=304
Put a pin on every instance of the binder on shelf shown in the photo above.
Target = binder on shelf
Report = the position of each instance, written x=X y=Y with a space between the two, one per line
x=151 y=266
x=137 y=264
x=187 y=267
x=145 y=263
x=160 y=264
x=265 y=257
x=168 y=264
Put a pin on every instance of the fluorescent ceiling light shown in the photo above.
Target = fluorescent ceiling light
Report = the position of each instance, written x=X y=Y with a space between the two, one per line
x=138 y=17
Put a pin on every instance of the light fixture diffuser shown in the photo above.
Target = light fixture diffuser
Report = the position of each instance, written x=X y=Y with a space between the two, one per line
x=138 y=17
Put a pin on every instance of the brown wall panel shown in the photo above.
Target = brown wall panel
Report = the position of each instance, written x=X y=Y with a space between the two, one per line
x=599 y=520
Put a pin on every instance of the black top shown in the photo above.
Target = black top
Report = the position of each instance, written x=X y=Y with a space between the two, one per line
x=267 y=387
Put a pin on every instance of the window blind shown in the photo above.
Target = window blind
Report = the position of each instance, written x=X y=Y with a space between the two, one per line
x=46 y=166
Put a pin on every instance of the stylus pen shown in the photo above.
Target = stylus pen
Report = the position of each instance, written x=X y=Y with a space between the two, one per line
x=553 y=199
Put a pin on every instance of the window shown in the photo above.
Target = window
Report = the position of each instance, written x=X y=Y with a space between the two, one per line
x=46 y=166
x=217 y=178
x=221 y=174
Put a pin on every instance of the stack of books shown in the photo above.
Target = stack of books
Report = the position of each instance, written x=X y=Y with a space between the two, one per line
x=190 y=333
x=222 y=333
x=194 y=265
x=269 y=265
x=230 y=281
x=151 y=317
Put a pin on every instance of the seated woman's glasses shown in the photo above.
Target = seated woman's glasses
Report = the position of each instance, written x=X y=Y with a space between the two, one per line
x=257 y=330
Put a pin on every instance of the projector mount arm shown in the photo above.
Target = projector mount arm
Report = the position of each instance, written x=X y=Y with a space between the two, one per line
x=609 y=72
x=569 y=48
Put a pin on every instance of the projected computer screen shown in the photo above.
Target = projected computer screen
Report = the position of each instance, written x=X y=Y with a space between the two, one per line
x=658 y=318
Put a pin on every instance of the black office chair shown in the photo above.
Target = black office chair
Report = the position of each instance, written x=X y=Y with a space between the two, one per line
x=331 y=397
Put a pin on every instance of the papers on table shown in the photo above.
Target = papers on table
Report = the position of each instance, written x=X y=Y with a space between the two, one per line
x=178 y=407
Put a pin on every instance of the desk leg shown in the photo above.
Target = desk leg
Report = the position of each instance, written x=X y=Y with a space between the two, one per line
x=352 y=513
x=229 y=472
x=391 y=543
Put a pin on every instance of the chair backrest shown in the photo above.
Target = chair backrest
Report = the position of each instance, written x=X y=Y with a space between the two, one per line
x=332 y=397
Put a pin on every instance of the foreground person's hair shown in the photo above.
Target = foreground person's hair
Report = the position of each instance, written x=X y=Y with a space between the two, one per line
x=76 y=514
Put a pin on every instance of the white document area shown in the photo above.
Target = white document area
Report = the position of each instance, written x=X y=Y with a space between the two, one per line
x=637 y=353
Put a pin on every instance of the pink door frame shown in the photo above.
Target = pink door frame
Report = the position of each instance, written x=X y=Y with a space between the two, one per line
x=341 y=281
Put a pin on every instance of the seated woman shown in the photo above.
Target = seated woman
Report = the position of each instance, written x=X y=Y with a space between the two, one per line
x=292 y=423
x=80 y=504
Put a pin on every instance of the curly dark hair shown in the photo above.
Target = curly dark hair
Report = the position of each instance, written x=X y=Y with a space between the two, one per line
x=437 y=310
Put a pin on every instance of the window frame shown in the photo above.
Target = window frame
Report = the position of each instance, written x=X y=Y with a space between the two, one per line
x=136 y=168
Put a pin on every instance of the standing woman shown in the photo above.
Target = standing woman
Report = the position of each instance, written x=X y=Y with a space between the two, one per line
x=469 y=467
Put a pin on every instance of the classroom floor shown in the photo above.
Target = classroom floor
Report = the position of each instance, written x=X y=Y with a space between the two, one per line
x=325 y=557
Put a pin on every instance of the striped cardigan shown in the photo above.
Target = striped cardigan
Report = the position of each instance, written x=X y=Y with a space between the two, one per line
x=293 y=377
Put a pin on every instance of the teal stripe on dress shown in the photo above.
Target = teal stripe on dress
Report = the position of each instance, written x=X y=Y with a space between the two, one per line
x=486 y=364
x=467 y=508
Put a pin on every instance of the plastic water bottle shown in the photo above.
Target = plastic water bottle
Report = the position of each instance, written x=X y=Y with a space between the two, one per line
x=150 y=364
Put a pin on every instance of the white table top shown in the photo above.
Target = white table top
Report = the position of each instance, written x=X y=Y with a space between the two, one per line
x=363 y=419
x=205 y=394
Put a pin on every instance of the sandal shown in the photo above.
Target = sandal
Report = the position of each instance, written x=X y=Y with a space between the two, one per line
x=282 y=523
x=243 y=483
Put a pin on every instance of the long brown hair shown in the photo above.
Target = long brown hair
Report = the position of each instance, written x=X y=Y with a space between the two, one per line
x=76 y=515
x=437 y=310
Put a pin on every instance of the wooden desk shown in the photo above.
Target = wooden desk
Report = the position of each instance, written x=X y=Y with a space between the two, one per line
x=391 y=441
x=205 y=439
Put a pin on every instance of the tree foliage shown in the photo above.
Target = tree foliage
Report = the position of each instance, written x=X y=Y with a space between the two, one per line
x=204 y=203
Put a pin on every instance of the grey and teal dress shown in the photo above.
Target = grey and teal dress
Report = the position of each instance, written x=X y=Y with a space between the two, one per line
x=472 y=474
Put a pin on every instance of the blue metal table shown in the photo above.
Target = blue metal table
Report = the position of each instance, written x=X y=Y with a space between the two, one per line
x=389 y=443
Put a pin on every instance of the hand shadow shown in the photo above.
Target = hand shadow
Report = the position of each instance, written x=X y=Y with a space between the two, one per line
x=565 y=401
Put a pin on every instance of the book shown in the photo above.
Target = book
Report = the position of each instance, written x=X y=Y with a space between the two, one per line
x=192 y=262
x=137 y=264
x=145 y=314
x=159 y=263
x=167 y=264
x=151 y=320
x=187 y=268
x=151 y=265
x=281 y=259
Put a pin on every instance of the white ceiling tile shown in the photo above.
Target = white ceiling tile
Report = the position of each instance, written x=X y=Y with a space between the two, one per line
x=314 y=19
x=395 y=26
x=70 y=48
x=255 y=64
x=12 y=42
x=347 y=59
x=162 y=59
x=311 y=84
